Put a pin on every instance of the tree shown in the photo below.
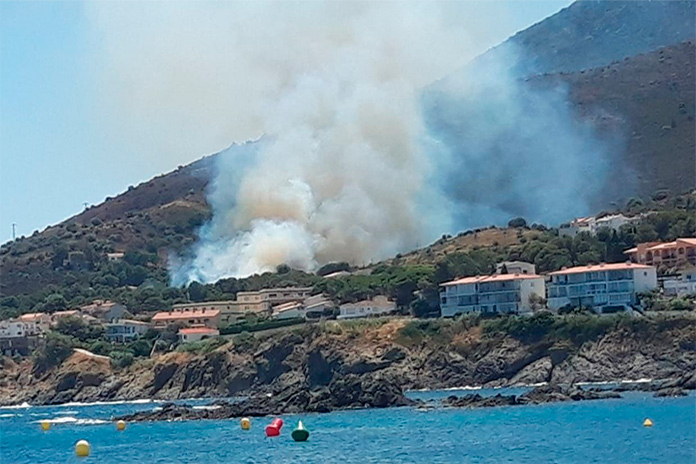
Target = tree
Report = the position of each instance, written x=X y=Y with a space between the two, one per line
x=518 y=222
x=197 y=292
x=79 y=329
x=56 y=349
x=55 y=302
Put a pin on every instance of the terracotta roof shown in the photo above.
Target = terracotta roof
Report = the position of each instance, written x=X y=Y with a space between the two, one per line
x=690 y=241
x=600 y=267
x=491 y=278
x=174 y=315
x=71 y=312
x=31 y=316
x=198 y=330
x=287 y=306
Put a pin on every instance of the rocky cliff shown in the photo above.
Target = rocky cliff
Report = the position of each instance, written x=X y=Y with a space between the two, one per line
x=324 y=356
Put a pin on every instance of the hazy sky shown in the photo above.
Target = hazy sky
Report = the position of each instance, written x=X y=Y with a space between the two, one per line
x=97 y=96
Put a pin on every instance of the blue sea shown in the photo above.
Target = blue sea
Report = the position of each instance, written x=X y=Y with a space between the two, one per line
x=606 y=431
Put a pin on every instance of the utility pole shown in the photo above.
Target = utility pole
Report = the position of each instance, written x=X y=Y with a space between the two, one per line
x=85 y=204
x=14 y=230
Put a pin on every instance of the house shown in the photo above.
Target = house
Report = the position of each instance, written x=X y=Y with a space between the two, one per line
x=114 y=257
x=591 y=225
x=36 y=323
x=499 y=293
x=289 y=310
x=680 y=252
x=125 y=330
x=313 y=307
x=318 y=306
x=230 y=310
x=195 y=334
x=380 y=305
x=15 y=337
x=264 y=300
x=515 y=267
x=604 y=287
x=106 y=311
x=683 y=285
x=58 y=315
x=190 y=318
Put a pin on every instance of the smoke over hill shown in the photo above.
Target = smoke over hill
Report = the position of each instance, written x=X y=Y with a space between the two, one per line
x=349 y=170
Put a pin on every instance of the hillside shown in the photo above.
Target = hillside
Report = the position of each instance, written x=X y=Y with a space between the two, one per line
x=646 y=100
x=591 y=33
x=649 y=102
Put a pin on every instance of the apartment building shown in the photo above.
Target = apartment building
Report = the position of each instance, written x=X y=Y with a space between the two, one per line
x=125 y=330
x=680 y=252
x=683 y=284
x=230 y=310
x=264 y=300
x=499 y=293
x=189 y=318
x=380 y=305
x=600 y=286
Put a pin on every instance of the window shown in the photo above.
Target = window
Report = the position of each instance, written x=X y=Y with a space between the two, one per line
x=645 y=273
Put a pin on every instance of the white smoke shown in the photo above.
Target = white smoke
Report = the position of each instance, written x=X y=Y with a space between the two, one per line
x=349 y=168
x=342 y=171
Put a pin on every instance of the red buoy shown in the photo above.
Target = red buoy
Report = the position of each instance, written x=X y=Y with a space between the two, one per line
x=273 y=430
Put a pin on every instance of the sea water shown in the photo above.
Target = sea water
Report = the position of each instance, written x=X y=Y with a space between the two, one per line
x=602 y=431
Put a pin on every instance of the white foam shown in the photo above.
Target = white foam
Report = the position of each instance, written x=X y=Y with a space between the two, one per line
x=17 y=406
x=5 y=416
x=73 y=420
x=107 y=403
x=208 y=408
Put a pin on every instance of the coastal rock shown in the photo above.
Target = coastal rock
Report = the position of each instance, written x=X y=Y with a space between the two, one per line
x=670 y=392
x=557 y=393
x=350 y=392
x=478 y=401
x=537 y=372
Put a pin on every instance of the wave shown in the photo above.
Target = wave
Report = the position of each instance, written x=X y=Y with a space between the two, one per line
x=107 y=403
x=17 y=406
x=5 y=416
x=73 y=420
x=208 y=407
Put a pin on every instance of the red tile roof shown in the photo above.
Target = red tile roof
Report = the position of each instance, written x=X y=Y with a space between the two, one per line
x=175 y=315
x=198 y=330
x=600 y=267
x=32 y=316
x=491 y=278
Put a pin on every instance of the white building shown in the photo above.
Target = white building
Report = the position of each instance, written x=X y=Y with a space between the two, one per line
x=36 y=323
x=500 y=293
x=600 y=286
x=194 y=334
x=264 y=300
x=591 y=225
x=230 y=310
x=377 y=306
x=289 y=310
x=313 y=307
x=125 y=330
x=13 y=328
x=515 y=267
x=683 y=285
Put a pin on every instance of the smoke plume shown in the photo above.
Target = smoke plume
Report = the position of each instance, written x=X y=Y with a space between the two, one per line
x=363 y=149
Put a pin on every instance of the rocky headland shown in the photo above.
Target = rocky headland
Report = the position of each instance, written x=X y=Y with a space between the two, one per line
x=320 y=366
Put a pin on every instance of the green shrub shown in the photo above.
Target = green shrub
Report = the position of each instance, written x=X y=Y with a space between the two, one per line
x=56 y=349
x=202 y=346
x=121 y=358
x=680 y=304
x=261 y=325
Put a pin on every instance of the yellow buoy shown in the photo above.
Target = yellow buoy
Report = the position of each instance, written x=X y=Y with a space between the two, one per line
x=45 y=425
x=120 y=426
x=82 y=448
x=647 y=423
x=245 y=423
